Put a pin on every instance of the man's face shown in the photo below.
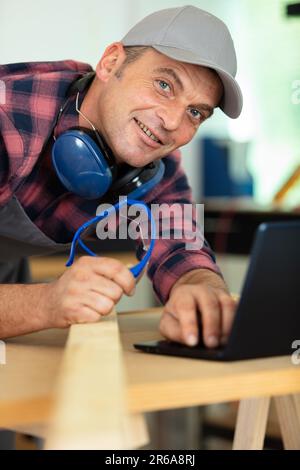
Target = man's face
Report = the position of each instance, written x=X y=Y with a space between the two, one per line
x=154 y=106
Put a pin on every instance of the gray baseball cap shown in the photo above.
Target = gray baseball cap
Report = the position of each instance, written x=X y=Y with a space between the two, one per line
x=191 y=35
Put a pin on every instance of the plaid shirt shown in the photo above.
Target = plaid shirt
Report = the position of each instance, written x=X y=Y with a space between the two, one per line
x=34 y=93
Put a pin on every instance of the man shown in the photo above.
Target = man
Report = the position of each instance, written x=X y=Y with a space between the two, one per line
x=150 y=94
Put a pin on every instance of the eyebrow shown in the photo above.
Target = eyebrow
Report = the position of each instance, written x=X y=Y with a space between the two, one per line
x=173 y=74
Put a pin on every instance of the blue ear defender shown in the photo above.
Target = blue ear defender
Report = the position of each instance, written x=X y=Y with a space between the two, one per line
x=80 y=164
x=84 y=168
x=138 y=268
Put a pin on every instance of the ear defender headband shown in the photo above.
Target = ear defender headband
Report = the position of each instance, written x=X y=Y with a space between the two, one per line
x=86 y=166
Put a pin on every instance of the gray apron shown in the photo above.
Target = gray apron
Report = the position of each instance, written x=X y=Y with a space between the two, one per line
x=19 y=238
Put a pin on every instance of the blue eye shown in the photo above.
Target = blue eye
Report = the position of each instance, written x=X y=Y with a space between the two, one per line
x=163 y=85
x=195 y=113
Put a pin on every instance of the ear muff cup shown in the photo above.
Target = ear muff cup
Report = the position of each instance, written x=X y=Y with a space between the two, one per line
x=80 y=165
x=136 y=182
x=125 y=175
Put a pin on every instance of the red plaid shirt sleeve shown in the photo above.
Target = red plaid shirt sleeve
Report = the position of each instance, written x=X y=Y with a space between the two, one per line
x=31 y=95
x=170 y=258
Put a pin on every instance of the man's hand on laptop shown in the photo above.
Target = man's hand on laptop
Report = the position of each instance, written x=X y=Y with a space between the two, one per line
x=198 y=292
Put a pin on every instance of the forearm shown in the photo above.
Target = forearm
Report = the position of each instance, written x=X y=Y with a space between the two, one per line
x=199 y=276
x=22 y=309
x=84 y=293
x=181 y=263
x=174 y=256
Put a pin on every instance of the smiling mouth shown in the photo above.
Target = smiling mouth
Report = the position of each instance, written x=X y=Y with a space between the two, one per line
x=148 y=132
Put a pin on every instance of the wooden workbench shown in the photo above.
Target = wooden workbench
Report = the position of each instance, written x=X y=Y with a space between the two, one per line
x=154 y=382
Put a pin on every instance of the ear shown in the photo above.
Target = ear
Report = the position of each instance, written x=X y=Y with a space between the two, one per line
x=112 y=59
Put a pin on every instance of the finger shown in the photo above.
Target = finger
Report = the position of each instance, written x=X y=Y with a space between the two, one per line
x=228 y=310
x=85 y=315
x=170 y=327
x=211 y=317
x=184 y=307
x=106 y=287
x=98 y=303
x=116 y=271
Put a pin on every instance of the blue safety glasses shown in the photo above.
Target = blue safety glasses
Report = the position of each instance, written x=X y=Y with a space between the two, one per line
x=138 y=268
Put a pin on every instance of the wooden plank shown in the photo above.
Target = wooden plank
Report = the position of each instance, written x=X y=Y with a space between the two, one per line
x=287 y=408
x=90 y=410
x=251 y=424
x=297 y=403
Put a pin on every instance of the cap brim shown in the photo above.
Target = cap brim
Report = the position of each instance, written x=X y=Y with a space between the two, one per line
x=232 y=101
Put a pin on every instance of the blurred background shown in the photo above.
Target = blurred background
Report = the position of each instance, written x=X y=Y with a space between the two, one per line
x=245 y=171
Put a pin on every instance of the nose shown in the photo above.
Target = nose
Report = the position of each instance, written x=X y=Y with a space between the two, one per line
x=171 y=116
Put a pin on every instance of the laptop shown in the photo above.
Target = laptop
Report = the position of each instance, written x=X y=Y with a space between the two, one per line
x=267 y=320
